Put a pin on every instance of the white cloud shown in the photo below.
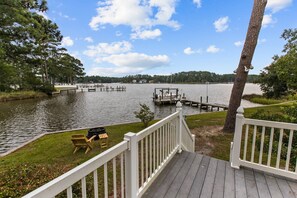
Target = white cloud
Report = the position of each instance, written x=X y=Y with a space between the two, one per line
x=238 y=43
x=212 y=49
x=197 y=2
x=138 y=14
x=190 y=51
x=261 y=41
x=277 y=5
x=120 y=56
x=267 y=20
x=129 y=63
x=42 y=14
x=136 y=60
x=103 y=49
x=146 y=34
x=110 y=71
x=66 y=16
x=221 y=24
x=67 y=41
x=89 y=39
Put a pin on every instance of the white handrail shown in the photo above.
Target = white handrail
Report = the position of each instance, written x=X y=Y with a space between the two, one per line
x=146 y=154
x=188 y=139
x=263 y=132
x=66 y=180
x=150 y=129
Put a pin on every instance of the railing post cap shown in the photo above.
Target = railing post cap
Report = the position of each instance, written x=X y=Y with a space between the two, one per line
x=240 y=110
x=179 y=104
x=129 y=135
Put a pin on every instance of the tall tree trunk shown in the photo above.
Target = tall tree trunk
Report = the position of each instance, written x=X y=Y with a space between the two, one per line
x=245 y=62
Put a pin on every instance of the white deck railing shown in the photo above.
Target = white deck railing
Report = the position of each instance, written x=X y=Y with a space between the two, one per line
x=128 y=168
x=265 y=145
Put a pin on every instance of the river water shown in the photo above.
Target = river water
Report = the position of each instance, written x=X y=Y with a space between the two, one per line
x=20 y=121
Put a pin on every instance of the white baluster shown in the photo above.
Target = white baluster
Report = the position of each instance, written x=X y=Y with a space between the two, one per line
x=246 y=141
x=270 y=146
x=95 y=176
x=280 y=143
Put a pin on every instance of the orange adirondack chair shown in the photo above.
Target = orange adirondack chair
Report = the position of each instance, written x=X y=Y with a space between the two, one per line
x=80 y=141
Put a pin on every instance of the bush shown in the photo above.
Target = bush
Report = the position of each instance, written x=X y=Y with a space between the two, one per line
x=45 y=88
x=291 y=113
x=266 y=115
x=145 y=114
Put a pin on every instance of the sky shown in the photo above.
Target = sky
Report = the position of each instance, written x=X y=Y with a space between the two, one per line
x=127 y=37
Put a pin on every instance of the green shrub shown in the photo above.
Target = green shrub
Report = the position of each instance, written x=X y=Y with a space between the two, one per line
x=145 y=114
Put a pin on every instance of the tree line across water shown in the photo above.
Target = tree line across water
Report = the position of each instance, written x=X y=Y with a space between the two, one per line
x=181 y=77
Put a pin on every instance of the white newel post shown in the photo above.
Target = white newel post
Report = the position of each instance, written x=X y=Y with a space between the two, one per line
x=180 y=110
x=237 y=138
x=193 y=136
x=131 y=166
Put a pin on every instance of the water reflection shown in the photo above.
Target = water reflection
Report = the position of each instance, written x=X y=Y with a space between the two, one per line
x=23 y=120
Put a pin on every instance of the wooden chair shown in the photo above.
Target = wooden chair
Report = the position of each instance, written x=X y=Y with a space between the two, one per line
x=80 y=141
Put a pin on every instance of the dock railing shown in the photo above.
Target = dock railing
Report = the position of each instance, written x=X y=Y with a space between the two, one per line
x=265 y=145
x=127 y=168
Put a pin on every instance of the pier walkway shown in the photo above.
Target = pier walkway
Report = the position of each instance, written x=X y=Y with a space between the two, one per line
x=204 y=105
x=194 y=175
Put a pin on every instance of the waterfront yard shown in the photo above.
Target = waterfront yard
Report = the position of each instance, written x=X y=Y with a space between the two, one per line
x=52 y=155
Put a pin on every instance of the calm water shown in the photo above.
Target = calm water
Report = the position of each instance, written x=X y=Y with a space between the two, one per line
x=20 y=121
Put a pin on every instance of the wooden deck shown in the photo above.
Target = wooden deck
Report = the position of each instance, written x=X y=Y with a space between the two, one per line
x=194 y=175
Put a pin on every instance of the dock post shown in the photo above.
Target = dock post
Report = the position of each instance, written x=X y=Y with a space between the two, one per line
x=200 y=99
x=206 y=99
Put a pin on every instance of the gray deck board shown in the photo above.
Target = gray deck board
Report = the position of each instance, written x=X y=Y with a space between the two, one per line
x=229 y=188
x=262 y=185
x=176 y=184
x=187 y=183
x=250 y=182
x=293 y=187
x=195 y=175
x=161 y=191
x=210 y=178
x=199 y=179
x=285 y=188
x=273 y=186
x=240 y=187
x=219 y=184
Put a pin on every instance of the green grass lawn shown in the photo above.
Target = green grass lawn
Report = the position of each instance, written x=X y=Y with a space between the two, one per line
x=20 y=95
x=52 y=155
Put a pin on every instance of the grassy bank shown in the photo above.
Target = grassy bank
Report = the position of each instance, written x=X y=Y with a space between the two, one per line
x=260 y=99
x=51 y=155
x=20 y=95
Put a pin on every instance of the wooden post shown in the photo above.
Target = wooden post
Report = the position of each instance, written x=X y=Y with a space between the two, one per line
x=237 y=138
x=131 y=166
x=180 y=110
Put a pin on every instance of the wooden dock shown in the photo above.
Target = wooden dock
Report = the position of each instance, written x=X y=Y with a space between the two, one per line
x=204 y=105
x=103 y=89
x=167 y=96
x=194 y=175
